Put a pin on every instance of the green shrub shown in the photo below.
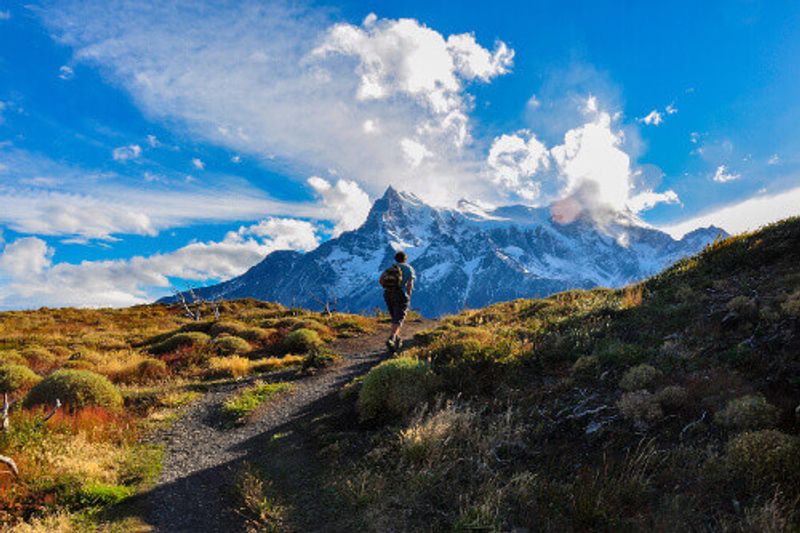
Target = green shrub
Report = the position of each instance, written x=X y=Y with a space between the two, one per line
x=230 y=345
x=260 y=336
x=141 y=465
x=473 y=363
x=791 y=306
x=150 y=370
x=640 y=406
x=301 y=341
x=101 y=494
x=11 y=357
x=38 y=356
x=586 y=367
x=226 y=326
x=748 y=412
x=672 y=397
x=638 y=377
x=16 y=377
x=395 y=387
x=742 y=306
x=180 y=340
x=620 y=354
x=317 y=358
x=763 y=459
x=77 y=389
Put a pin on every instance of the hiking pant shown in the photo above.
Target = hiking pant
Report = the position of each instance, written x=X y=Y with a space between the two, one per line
x=397 y=303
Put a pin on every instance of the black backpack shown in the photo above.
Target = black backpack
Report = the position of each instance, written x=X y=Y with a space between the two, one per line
x=392 y=277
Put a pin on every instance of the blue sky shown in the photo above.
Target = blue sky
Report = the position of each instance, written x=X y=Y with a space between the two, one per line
x=145 y=146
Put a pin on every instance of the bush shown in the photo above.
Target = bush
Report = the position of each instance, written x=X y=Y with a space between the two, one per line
x=301 y=341
x=77 y=389
x=640 y=406
x=260 y=336
x=16 y=377
x=395 y=387
x=11 y=357
x=230 y=345
x=672 y=397
x=226 y=326
x=762 y=459
x=742 y=306
x=586 y=367
x=180 y=340
x=638 y=377
x=791 y=306
x=747 y=412
x=149 y=370
x=473 y=363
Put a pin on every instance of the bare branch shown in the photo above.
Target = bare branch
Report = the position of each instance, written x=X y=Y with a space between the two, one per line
x=49 y=415
x=8 y=461
x=6 y=407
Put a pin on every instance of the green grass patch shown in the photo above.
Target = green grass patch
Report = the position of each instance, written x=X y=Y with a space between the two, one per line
x=244 y=402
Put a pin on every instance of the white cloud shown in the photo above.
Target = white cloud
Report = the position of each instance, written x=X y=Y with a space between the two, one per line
x=344 y=203
x=236 y=159
x=198 y=163
x=746 y=215
x=671 y=109
x=124 y=153
x=152 y=140
x=32 y=277
x=65 y=72
x=653 y=118
x=774 y=159
x=414 y=151
x=721 y=175
x=513 y=161
x=281 y=79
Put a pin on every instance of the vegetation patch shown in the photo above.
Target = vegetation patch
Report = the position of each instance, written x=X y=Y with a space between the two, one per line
x=748 y=412
x=395 y=388
x=302 y=341
x=16 y=378
x=76 y=389
x=247 y=400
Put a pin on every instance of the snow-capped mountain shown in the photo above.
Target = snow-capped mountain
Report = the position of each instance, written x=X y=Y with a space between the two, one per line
x=464 y=257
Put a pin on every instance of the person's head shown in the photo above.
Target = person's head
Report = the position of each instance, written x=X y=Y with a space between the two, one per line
x=400 y=257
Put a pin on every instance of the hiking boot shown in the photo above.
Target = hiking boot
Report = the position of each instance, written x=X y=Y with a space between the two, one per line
x=390 y=345
x=398 y=344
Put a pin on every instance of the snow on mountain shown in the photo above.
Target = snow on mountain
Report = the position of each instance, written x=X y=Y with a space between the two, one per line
x=470 y=256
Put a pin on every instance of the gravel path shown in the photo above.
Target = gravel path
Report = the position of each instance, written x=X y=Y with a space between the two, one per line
x=195 y=491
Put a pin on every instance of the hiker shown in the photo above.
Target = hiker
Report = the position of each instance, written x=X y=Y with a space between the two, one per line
x=398 y=283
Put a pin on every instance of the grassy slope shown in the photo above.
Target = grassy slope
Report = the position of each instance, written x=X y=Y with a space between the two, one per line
x=606 y=409
x=81 y=462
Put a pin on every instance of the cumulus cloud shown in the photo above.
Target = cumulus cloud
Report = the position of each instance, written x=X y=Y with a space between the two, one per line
x=32 y=277
x=746 y=215
x=198 y=163
x=124 y=153
x=722 y=175
x=590 y=166
x=345 y=203
x=514 y=160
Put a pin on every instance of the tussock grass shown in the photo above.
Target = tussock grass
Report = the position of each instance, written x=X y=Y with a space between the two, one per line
x=247 y=400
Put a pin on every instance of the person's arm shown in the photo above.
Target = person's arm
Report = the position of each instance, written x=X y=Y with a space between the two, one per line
x=410 y=287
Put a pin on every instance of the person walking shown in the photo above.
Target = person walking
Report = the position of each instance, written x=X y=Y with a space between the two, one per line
x=398 y=284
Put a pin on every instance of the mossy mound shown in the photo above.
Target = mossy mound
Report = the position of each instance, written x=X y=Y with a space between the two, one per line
x=16 y=377
x=179 y=340
x=301 y=341
x=76 y=389
x=395 y=387
x=230 y=345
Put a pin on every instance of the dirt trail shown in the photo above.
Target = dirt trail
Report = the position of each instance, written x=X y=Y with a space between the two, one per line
x=195 y=491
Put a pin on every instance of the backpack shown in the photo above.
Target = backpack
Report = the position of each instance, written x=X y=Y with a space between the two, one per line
x=392 y=277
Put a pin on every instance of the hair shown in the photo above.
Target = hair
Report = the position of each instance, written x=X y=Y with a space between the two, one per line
x=400 y=257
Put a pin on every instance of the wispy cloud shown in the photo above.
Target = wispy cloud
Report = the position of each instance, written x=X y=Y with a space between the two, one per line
x=124 y=153
x=723 y=175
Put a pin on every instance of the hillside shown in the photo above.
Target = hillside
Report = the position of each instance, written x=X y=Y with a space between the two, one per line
x=668 y=405
x=464 y=257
